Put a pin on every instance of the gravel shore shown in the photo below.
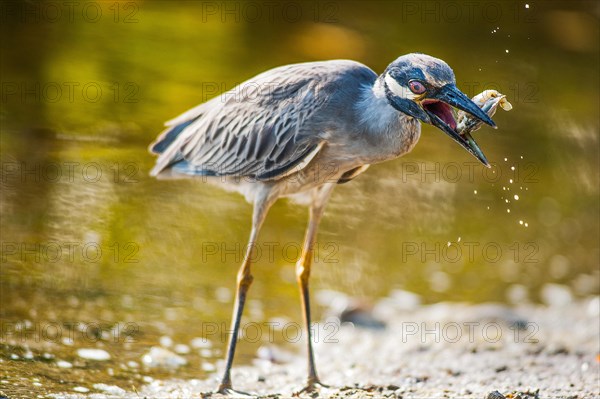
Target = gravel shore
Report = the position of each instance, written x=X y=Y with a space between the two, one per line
x=446 y=350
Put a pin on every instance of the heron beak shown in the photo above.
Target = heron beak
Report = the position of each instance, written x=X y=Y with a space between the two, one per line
x=437 y=107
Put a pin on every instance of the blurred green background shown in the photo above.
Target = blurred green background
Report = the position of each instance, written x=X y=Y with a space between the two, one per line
x=89 y=237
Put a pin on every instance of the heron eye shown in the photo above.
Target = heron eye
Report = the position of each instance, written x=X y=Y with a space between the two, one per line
x=416 y=87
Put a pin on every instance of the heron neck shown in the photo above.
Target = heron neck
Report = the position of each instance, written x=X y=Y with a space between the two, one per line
x=391 y=129
x=375 y=112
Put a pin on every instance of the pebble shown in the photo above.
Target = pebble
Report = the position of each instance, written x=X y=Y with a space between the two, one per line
x=182 y=349
x=110 y=389
x=93 y=354
x=63 y=364
x=223 y=295
x=405 y=300
x=133 y=365
x=166 y=341
x=361 y=317
x=206 y=353
x=274 y=354
x=585 y=366
x=161 y=357
x=208 y=367
x=198 y=343
x=593 y=308
x=556 y=295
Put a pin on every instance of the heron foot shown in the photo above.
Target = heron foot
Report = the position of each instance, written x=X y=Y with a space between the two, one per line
x=232 y=393
x=312 y=388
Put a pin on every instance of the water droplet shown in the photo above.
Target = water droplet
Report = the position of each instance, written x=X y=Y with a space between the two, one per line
x=506 y=200
x=505 y=159
x=510 y=181
x=508 y=211
x=526 y=224
x=526 y=5
x=516 y=197
x=520 y=222
x=458 y=239
x=512 y=168
x=506 y=51
x=474 y=191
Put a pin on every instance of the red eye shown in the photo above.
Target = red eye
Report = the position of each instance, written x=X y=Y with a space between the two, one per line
x=416 y=87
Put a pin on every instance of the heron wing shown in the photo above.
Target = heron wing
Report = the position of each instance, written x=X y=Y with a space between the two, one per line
x=260 y=128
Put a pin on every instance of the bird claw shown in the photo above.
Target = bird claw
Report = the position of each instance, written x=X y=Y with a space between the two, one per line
x=312 y=388
x=232 y=393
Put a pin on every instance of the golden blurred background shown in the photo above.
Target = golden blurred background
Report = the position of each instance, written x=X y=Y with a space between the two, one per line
x=89 y=237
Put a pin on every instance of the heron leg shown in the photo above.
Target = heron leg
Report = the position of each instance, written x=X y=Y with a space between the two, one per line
x=244 y=280
x=303 y=266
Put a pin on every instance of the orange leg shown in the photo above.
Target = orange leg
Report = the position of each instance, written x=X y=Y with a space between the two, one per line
x=244 y=280
x=303 y=266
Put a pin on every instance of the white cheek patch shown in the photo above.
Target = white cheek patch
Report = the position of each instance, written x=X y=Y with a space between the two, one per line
x=399 y=90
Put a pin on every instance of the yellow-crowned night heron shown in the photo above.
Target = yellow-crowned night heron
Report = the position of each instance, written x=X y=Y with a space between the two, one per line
x=297 y=131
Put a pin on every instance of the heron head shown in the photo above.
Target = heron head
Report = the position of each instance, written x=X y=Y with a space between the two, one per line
x=424 y=87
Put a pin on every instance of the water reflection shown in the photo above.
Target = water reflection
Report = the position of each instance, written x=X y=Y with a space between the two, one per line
x=89 y=238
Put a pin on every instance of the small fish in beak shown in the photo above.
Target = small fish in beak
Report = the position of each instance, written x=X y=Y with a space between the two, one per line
x=488 y=101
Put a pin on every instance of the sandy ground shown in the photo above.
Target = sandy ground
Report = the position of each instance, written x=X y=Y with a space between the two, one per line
x=447 y=350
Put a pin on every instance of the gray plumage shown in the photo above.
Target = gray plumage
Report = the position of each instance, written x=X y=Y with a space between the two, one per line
x=265 y=128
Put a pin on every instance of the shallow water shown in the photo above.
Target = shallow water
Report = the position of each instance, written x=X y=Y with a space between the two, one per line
x=95 y=253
